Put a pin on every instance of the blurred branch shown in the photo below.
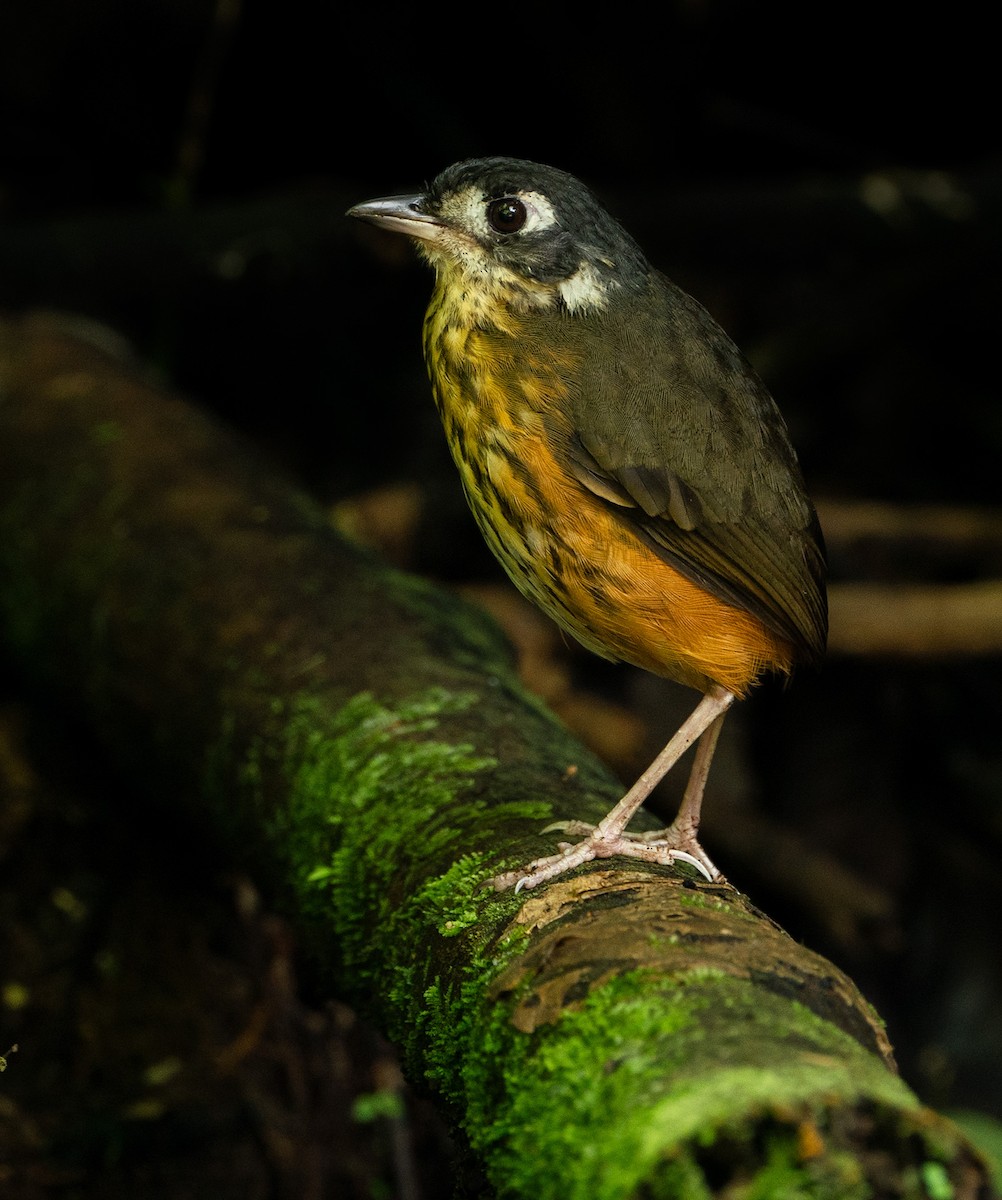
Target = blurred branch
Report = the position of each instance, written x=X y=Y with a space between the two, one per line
x=897 y=610
x=197 y=117
x=916 y=622
x=940 y=531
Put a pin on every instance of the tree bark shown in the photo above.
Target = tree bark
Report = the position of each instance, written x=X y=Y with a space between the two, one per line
x=360 y=741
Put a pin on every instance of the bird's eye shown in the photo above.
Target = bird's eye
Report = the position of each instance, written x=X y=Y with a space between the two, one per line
x=507 y=215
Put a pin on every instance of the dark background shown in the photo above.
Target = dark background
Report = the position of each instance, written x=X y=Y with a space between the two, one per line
x=824 y=178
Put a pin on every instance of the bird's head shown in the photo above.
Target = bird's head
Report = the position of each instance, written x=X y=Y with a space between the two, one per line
x=517 y=232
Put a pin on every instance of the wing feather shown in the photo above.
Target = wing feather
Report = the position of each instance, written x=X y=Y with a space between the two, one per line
x=673 y=429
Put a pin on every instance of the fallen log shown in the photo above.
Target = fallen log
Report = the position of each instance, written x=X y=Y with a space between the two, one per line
x=359 y=740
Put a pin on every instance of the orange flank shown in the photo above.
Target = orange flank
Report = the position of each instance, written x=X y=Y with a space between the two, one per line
x=567 y=549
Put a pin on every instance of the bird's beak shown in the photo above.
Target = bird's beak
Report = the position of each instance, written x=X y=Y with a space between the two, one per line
x=400 y=214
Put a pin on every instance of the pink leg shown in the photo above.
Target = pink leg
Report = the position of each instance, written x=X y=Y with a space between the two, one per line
x=680 y=836
x=609 y=838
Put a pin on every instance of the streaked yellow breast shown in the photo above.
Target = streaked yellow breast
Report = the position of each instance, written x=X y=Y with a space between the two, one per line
x=504 y=402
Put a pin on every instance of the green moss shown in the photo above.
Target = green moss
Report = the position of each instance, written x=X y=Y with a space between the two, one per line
x=106 y=433
x=706 y=900
x=474 y=639
x=787 y=1175
x=33 y=522
x=389 y=835
x=678 y=1061
x=451 y=902
x=936 y=1181
x=367 y=782
x=986 y=1133
x=375 y=1105
x=680 y=1177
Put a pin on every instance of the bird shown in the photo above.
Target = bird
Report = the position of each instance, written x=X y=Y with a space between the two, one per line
x=624 y=462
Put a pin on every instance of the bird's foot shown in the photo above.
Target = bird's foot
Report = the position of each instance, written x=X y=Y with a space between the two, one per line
x=664 y=846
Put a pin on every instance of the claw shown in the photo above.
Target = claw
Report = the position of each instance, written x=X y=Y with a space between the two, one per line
x=574 y=855
x=682 y=856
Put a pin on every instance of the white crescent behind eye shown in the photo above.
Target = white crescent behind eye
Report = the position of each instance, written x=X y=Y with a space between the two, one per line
x=540 y=213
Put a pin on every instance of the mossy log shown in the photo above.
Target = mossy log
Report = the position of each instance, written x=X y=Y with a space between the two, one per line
x=359 y=739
